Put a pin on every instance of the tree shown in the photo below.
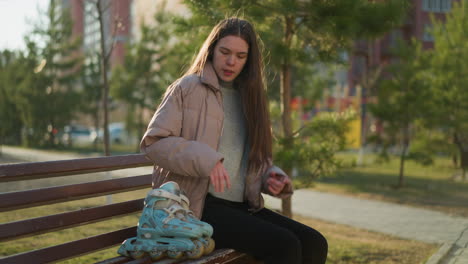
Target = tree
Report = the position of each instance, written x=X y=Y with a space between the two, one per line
x=107 y=41
x=319 y=140
x=11 y=72
x=402 y=100
x=295 y=31
x=148 y=68
x=47 y=94
x=104 y=57
x=448 y=78
x=92 y=92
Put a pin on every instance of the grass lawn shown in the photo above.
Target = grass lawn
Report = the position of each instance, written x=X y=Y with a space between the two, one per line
x=347 y=245
x=430 y=187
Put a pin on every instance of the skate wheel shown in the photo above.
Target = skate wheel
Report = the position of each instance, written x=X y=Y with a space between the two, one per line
x=197 y=251
x=137 y=254
x=174 y=254
x=156 y=254
x=209 y=246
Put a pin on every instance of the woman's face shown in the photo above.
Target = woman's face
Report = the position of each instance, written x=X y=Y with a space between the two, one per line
x=229 y=57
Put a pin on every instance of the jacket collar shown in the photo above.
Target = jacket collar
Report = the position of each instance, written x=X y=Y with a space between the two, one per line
x=208 y=76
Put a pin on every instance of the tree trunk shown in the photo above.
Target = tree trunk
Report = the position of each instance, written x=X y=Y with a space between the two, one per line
x=454 y=155
x=461 y=140
x=401 y=181
x=405 y=144
x=285 y=88
x=96 y=125
x=141 y=126
x=104 y=66
x=464 y=163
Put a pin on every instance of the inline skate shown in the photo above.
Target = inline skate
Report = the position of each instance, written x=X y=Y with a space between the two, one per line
x=165 y=229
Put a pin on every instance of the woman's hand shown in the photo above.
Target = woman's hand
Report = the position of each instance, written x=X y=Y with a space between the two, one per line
x=220 y=178
x=276 y=183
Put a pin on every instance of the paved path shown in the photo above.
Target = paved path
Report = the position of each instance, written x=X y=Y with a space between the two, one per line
x=402 y=221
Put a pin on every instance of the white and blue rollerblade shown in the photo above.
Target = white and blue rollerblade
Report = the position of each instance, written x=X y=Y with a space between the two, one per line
x=165 y=228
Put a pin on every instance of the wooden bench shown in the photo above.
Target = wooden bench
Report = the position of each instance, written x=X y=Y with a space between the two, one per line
x=59 y=194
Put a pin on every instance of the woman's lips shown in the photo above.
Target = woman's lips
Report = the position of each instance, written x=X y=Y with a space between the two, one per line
x=228 y=72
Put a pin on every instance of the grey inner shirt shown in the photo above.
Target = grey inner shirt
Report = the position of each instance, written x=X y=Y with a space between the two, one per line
x=232 y=144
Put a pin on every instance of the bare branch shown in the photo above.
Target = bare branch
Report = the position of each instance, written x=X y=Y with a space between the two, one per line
x=265 y=7
x=295 y=133
x=105 y=8
x=117 y=25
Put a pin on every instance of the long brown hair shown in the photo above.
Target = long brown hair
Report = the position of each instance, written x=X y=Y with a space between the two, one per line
x=250 y=82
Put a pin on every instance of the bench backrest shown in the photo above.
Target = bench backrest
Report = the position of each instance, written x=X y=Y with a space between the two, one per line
x=58 y=194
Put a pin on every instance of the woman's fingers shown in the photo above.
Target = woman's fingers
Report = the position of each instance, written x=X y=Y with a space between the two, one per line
x=214 y=177
x=224 y=180
x=274 y=190
x=286 y=180
x=275 y=186
x=220 y=178
x=227 y=180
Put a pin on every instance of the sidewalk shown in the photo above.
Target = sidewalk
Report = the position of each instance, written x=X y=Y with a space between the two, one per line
x=401 y=221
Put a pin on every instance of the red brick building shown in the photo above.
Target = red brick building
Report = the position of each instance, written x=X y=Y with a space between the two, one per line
x=117 y=26
x=369 y=56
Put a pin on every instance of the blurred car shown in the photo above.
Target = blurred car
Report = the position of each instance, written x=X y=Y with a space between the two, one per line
x=73 y=135
x=117 y=135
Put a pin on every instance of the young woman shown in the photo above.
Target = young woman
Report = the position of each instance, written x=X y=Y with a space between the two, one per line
x=211 y=134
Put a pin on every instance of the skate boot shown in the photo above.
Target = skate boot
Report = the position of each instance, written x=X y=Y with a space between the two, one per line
x=207 y=229
x=163 y=228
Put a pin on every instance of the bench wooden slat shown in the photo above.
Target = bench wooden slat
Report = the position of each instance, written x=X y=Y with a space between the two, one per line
x=43 y=196
x=219 y=256
x=40 y=225
x=116 y=260
x=37 y=170
x=72 y=249
x=146 y=260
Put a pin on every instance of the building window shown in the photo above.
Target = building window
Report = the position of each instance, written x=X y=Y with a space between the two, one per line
x=395 y=37
x=437 y=6
x=427 y=34
x=359 y=66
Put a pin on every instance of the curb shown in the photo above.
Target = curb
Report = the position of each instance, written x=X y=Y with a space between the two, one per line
x=440 y=255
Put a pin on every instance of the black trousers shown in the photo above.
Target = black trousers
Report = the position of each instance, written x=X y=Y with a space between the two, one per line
x=266 y=235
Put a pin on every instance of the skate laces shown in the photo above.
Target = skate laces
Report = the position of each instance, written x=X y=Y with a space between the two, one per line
x=174 y=211
x=184 y=199
x=177 y=208
x=186 y=204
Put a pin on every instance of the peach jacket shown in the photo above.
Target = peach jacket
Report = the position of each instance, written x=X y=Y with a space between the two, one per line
x=183 y=137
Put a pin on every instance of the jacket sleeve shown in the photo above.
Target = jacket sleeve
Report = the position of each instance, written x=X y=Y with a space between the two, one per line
x=288 y=188
x=162 y=143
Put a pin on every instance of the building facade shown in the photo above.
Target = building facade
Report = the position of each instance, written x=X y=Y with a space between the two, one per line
x=370 y=57
x=117 y=26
